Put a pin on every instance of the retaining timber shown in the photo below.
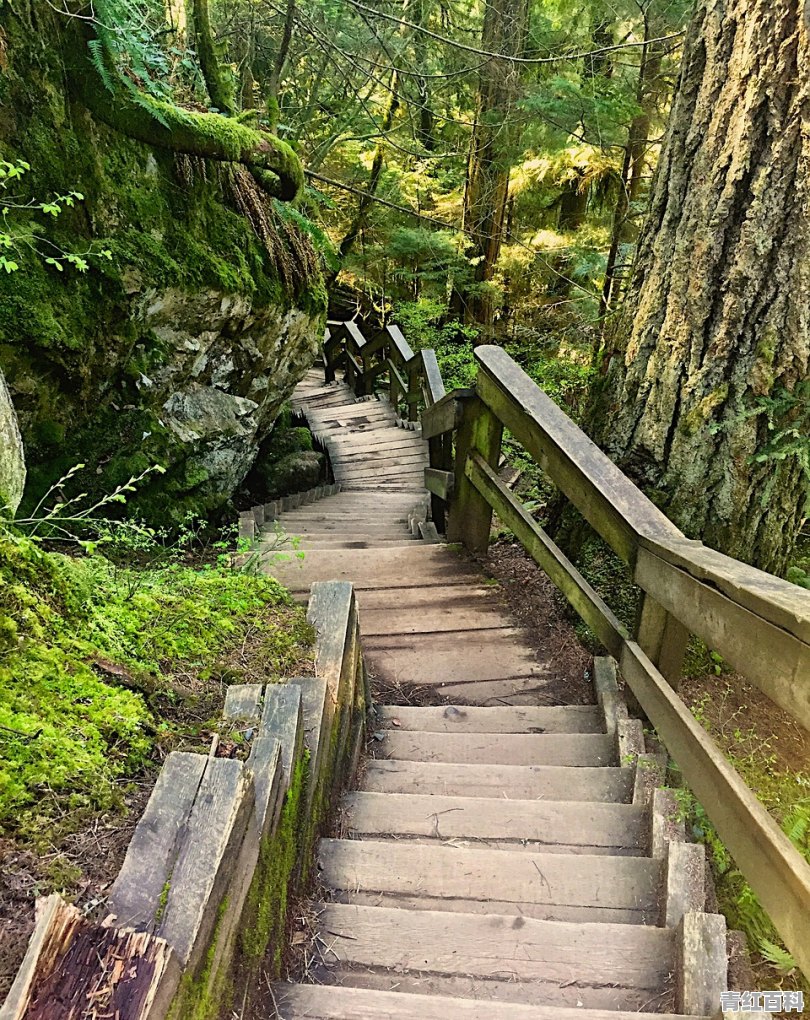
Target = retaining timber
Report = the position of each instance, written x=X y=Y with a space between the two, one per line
x=201 y=900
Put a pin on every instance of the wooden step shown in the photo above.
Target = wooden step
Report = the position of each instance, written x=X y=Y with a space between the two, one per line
x=584 y=827
x=521 y=782
x=405 y=620
x=498 y=719
x=341 y=529
x=335 y=1002
x=614 y=966
x=311 y=543
x=573 y=749
x=616 y=890
x=384 y=568
x=455 y=658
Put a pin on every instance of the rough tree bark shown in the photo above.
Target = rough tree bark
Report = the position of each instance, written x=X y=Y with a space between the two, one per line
x=719 y=310
x=491 y=153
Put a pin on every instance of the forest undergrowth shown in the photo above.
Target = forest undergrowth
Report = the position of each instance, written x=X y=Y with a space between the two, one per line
x=112 y=656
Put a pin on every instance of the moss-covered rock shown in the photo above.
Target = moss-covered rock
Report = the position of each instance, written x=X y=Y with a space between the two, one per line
x=197 y=327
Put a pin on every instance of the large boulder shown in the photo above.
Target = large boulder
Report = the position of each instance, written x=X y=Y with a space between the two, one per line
x=201 y=307
x=12 y=461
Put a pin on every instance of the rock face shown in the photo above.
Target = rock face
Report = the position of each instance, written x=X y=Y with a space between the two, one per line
x=188 y=331
x=12 y=462
x=229 y=370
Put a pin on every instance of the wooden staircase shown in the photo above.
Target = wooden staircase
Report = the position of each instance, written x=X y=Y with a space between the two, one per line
x=502 y=857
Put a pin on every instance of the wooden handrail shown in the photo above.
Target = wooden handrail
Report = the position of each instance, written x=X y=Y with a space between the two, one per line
x=413 y=379
x=758 y=622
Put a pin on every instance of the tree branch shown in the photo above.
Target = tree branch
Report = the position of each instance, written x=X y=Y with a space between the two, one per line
x=166 y=126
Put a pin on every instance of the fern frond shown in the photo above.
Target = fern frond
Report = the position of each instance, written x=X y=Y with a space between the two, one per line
x=777 y=955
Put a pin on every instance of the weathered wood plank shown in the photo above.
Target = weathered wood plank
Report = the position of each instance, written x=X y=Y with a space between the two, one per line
x=431 y=376
x=243 y=701
x=599 y=888
x=572 y=749
x=775 y=869
x=551 y=824
x=332 y=613
x=440 y=483
x=330 y=1002
x=773 y=659
x=445 y=415
x=605 y=496
x=582 y=596
x=498 y=719
x=784 y=604
x=72 y=965
x=522 y=782
x=318 y=710
x=213 y=840
x=283 y=719
x=536 y=951
x=470 y=518
x=399 y=343
x=701 y=964
x=264 y=761
x=139 y=888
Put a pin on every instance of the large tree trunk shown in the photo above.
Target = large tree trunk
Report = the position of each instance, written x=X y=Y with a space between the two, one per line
x=491 y=153
x=718 y=313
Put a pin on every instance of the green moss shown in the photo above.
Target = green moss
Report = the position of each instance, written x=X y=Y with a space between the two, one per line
x=205 y=995
x=693 y=421
x=275 y=878
x=74 y=346
x=68 y=730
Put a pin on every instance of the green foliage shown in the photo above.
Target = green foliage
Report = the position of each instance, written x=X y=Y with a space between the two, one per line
x=71 y=631
x=785 y=793
x=424 y=323
x=786 y=415
x=16 y=237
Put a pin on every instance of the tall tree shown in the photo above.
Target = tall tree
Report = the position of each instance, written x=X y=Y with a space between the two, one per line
x=491 y=153
x=714 y=344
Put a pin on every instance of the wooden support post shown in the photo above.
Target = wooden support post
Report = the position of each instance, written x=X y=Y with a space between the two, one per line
x=663 y=639
x=470 y=514
x=440 y=450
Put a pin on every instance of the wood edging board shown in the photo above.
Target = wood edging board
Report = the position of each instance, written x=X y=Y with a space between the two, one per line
x=185 y=882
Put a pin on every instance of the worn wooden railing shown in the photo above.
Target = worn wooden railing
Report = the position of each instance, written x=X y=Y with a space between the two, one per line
x=384 y=359
x=757 y=622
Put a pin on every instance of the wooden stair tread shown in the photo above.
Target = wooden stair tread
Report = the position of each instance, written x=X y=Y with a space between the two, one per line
x=454 y=657
x=497 y=719
x=336 y=1002
x=557 y=826
x=535 y=955
x=384 y=568
x=571 y=749
x=463 y=879
x=524 y=782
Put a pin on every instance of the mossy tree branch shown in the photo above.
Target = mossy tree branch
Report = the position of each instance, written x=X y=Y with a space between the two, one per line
x=166 y=126
x=217 y=81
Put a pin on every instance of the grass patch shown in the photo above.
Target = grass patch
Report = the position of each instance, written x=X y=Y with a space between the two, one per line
x=105 y=668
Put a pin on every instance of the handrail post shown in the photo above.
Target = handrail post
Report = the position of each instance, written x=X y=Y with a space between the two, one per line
x=414 y=390
x=470 y=519
x=663 y=639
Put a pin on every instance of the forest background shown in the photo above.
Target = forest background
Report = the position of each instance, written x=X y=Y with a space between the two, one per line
x=616 y=192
